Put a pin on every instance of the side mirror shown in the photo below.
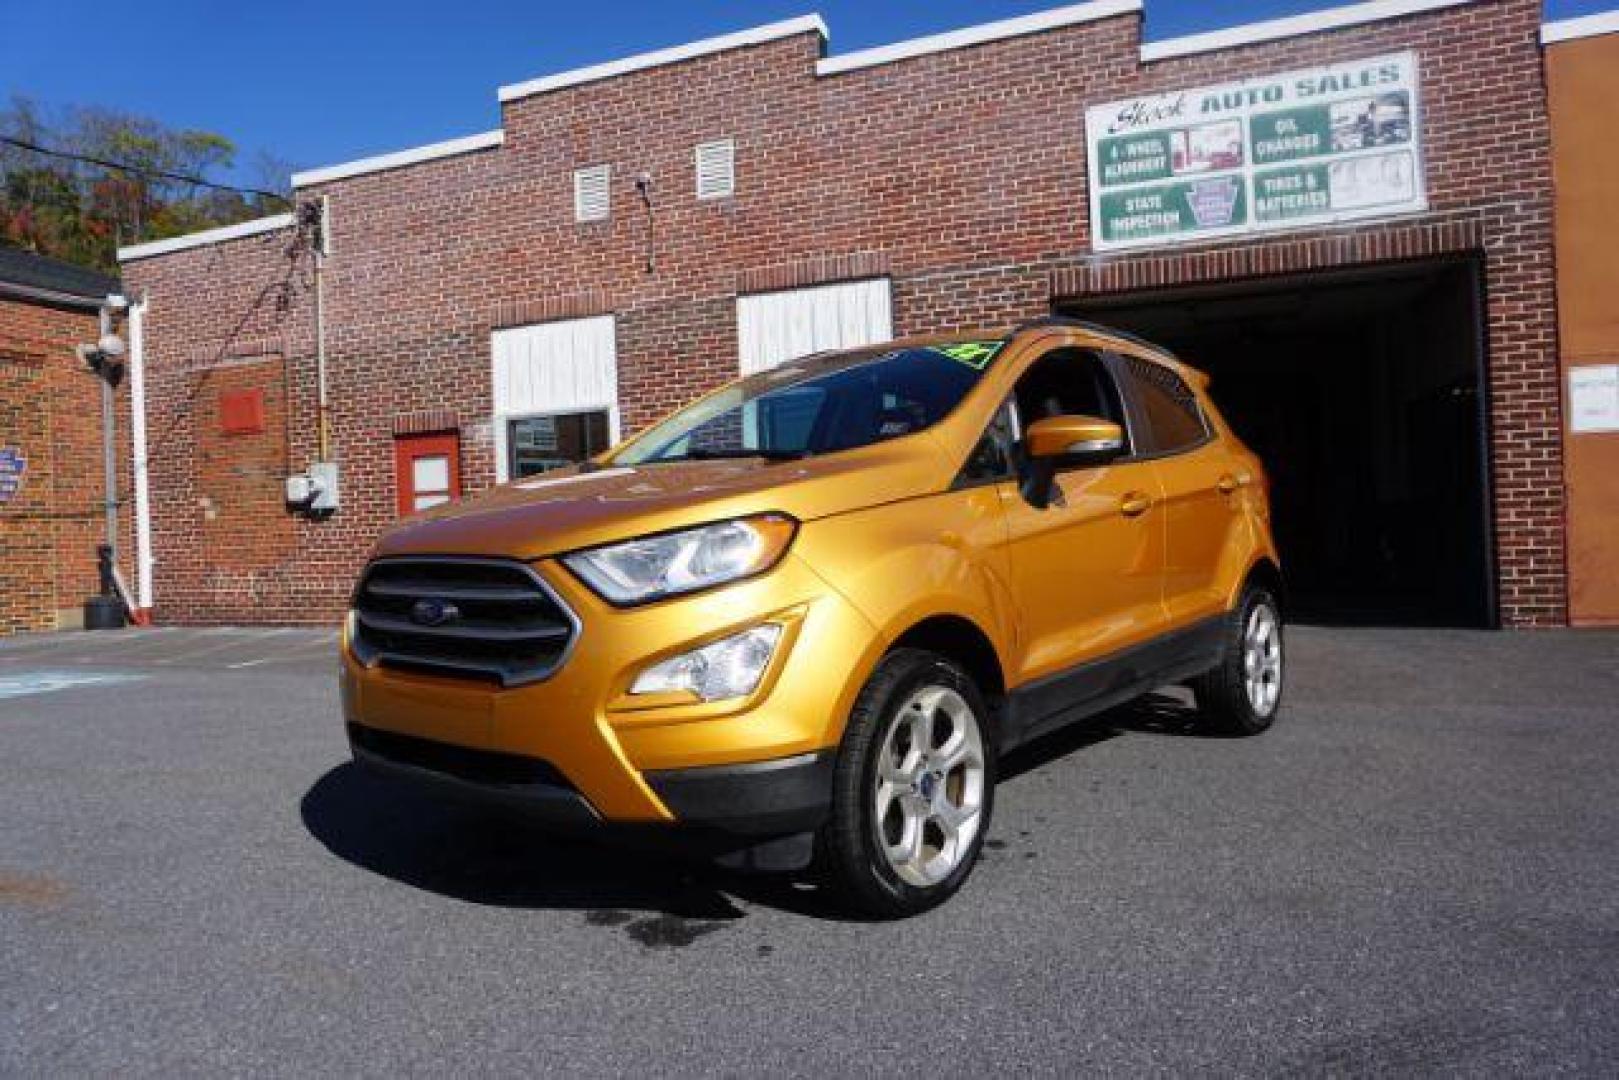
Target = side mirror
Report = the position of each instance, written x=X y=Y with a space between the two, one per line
x=1074 y=440
x=1059 y=442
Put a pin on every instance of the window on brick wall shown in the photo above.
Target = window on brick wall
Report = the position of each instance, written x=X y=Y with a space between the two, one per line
x=555 y=393
x=591 y=193
x=716 y=169
x=541 y=443
x=775 y=327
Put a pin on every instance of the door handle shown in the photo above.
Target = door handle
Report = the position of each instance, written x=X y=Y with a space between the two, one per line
x=1227 y=484
x=1134 y=504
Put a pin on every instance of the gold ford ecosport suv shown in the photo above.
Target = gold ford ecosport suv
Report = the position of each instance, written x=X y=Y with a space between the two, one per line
x=806 y=614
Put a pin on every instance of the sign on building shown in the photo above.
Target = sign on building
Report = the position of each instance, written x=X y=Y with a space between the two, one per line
x=1280 y=152
x=13 y=464
x=1593 y=398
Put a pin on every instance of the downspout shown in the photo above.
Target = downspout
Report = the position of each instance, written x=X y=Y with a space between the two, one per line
x=324 y=417
x=137 y=434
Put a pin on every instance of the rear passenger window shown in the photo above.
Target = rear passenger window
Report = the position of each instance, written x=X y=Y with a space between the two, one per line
x=1174 y=420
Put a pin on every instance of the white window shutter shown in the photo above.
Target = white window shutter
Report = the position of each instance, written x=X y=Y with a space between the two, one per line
x=775 y=327
x=592 y=190
x=716 y=169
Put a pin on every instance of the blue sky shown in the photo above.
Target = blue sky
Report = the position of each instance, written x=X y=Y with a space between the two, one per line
x=318 y=83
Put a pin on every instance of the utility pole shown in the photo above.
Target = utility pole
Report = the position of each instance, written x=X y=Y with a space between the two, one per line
x=105 y=361
x=109 y=457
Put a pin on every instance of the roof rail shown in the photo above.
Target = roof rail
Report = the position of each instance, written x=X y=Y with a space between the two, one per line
x=1094 y=327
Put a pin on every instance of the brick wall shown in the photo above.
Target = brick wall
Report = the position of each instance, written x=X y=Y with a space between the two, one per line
x=959 y=174
x=50 y=409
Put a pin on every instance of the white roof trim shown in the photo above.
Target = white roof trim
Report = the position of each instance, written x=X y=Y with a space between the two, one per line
x=1593 y=25
x=1292 y=26
x=977 y=35
x=206 y=237
x=757 y=35
x=399 y=158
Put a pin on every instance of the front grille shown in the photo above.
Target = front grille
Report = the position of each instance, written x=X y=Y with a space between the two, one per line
x=488 y=619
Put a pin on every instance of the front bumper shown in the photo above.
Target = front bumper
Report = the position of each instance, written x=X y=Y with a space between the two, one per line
x=575 y=751
x=761 y=799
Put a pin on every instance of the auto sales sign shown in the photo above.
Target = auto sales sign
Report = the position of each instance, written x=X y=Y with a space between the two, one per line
x=1281 y=152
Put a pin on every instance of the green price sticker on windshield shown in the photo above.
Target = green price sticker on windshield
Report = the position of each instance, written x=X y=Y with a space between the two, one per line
x=975 y=354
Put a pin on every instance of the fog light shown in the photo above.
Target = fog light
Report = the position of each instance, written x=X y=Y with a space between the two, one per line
x=728 y=668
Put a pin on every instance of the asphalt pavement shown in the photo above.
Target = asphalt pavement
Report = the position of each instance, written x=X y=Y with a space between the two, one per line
x=1415 y=871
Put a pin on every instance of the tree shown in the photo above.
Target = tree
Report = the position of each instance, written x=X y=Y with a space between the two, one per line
x=83 y=212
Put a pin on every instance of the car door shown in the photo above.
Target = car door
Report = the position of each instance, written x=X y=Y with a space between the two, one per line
x=1085 y=570
x=1198 y=480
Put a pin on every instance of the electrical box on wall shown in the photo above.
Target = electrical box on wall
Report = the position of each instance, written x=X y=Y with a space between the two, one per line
x=314 y=492
x=324 y=474
x=300 y=491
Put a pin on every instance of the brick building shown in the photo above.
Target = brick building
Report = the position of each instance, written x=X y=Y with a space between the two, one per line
x=1346 y=217
x=51 y=491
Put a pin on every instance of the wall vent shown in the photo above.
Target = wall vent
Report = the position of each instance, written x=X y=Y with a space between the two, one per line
x=591 y=193
x=241 y=412
x=716 y=169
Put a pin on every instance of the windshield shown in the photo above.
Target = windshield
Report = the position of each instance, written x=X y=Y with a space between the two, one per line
x=821 y=405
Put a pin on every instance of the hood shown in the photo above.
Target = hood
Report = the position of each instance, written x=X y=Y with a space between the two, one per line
x=583 y=506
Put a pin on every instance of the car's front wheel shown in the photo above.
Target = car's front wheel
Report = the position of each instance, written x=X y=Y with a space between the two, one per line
x=913 y=789
x=1242 y=694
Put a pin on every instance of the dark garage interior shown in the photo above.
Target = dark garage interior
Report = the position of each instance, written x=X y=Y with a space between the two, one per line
x=1362 y=392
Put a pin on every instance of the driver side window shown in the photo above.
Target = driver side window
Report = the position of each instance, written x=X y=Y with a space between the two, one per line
x=1069 y=382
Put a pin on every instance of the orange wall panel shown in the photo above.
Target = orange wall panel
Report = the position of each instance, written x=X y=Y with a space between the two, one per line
x=1583 y=85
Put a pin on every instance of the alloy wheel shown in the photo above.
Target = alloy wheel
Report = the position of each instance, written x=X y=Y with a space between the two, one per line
x=929 y=786
x=1262 y=659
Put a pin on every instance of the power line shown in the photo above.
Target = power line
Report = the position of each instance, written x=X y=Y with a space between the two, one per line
x=142 y=170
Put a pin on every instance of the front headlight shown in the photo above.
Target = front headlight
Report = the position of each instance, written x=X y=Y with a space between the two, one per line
x=669 y=564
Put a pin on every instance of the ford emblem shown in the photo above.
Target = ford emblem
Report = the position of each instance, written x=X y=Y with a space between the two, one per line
x=433 y=612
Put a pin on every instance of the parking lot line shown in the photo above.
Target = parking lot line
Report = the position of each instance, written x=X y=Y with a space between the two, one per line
x=235 y=638
x=128 y=644
x=315 y=648
x=213 y=647
x=56 y=643
x=282 y=655
x=46 y=682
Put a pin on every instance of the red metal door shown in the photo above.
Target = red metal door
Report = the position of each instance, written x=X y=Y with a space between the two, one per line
x=427 y=470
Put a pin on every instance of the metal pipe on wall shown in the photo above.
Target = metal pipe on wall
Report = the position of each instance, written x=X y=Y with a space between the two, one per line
x=323 y=404
x=137 y=437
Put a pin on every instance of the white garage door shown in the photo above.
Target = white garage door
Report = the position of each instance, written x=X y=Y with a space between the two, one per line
x=775 y=327
x=546 y=373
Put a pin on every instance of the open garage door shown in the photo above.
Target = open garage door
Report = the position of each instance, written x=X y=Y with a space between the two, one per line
x=1363 y=393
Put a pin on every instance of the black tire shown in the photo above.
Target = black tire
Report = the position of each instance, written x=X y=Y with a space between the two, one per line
x=1222 y=693
x=851 y=849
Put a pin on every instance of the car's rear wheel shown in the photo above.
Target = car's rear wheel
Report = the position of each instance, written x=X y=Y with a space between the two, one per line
x=1243 y=693
x=913 y=789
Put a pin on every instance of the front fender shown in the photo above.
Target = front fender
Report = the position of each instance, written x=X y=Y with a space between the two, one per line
x=902 y=563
